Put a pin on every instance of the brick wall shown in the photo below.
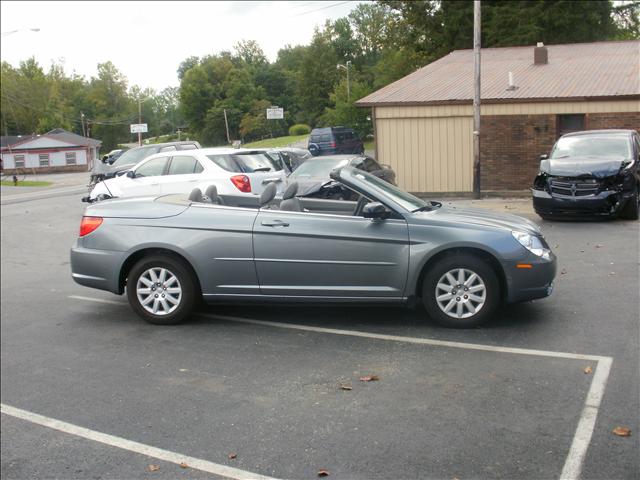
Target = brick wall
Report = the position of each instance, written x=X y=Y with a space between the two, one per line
x=511 y=145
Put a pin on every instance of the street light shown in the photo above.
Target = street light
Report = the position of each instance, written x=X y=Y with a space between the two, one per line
x=4 y=34
x=346 y=67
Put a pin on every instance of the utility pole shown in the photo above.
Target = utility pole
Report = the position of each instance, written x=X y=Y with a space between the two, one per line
x=346 y=67
x=226 y=124
x=84 y=134
x=476 y=99
x=139 y=119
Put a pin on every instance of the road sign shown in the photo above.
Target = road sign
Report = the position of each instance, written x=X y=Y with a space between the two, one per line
x=275 y=113
x=139 y=128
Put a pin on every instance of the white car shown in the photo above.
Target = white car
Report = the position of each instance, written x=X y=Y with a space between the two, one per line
x=233 y=171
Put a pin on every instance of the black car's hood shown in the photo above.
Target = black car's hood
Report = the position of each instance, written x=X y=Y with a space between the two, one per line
x=598 y=167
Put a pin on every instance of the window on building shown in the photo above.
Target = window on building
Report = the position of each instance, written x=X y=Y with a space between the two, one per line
x=44 y=159
x=570 y=123
x=70 y=158
x=18 y=161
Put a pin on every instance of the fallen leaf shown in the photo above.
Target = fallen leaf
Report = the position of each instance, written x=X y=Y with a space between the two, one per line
x=323 y=473
x=598 y=245
x=563 y=271
x=622 y=431
x=369 y=378
x=184 y=465
x=232 y=456
x=581 y=251
x=346 y=386
x=588 y=370
x=153 y=468
x=611 y=274
x=184 y=370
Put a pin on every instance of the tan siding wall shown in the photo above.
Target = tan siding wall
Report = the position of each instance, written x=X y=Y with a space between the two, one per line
x=509 y=109
x=428 y=154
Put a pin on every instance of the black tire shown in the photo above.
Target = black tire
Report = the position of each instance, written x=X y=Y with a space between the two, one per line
x=632 y=208
x=189 y=290
x=470 y=263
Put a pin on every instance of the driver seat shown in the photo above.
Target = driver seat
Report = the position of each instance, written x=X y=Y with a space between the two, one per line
x=196 y=195
x=290 y=202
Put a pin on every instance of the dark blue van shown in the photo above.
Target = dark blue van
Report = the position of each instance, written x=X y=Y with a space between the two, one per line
x=334 y=140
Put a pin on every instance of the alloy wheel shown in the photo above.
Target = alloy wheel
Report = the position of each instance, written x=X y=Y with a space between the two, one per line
x=460 y=293
x=159 y=291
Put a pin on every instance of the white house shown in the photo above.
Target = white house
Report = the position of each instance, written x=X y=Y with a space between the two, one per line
x=57 y=150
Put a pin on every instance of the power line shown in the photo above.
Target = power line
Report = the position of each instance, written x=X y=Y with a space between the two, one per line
x=318 y=9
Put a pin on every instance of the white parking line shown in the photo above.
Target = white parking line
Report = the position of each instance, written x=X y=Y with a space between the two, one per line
x=131 y=446
x=582 y=437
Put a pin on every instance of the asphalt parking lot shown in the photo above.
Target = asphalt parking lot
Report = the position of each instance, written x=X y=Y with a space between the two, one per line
x=91 y=391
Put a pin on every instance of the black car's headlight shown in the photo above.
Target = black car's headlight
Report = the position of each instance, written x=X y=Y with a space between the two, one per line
x=532 y=243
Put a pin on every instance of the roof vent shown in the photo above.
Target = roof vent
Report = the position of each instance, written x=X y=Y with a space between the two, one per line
x=512 y=85
x=540 y=54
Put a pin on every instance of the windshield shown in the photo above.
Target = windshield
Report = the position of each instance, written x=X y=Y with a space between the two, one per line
x=135 y=155
x=246 y=162
x=317 y=168
x=404 y=199
x=592 y=146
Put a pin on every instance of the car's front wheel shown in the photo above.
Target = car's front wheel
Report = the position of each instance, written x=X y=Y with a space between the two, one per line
x=461 y=291
x=161 y=290
x=631 y=210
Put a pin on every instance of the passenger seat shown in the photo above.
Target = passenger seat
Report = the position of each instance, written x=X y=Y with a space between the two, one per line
x=290 y=202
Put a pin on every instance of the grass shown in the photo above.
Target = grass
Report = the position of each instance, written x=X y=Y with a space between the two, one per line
x=276 y=142
x=28 y=183
x=370 y=145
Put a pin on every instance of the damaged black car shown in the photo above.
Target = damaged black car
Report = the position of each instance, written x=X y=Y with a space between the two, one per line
x=590 y=173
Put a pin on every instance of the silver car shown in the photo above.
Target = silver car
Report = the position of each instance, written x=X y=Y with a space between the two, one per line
x=388 y=247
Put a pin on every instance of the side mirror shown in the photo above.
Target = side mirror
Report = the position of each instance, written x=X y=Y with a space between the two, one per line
x=375 y=210
x=131 y=174
x=386 y=166
x=314 y=149
x=105 y=158
x=111 y=160
x=544 y=156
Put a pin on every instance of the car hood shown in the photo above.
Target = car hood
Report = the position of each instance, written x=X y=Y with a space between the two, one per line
x=309 y=185
x=477 y=216
x=583 y=166
x=101 y=168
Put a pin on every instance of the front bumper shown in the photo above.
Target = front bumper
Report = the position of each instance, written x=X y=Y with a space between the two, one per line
x=604 y=204
x=530 y=283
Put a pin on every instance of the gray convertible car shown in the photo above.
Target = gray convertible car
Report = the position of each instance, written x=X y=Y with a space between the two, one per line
x=387 y=247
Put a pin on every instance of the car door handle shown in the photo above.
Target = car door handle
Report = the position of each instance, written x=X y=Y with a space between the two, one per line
x=154 y=184
x=193 y=181
x=275 y=223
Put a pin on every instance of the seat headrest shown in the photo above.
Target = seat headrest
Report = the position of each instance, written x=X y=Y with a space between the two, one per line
x=268 y=194
x=211 y=193
x=290 y=191
x=195 y=195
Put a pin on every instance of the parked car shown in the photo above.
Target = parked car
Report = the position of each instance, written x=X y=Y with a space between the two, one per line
x=334 y=140
x=590 y=173
x=386 y=248
x=313 y=176
x=134 y=156
x=231 y=170
x=294 y=157
x=112 y=156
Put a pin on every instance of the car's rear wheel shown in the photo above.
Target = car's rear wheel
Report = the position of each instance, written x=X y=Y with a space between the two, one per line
x=461 y=291
x=631 y=210
x=161 y=289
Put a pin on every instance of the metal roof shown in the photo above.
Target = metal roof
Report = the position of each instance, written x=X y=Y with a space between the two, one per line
x=574 y=71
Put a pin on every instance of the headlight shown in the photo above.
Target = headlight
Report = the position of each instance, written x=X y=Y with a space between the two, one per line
x=532 y=243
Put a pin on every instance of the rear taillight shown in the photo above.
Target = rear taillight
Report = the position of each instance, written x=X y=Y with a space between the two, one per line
x=332 y=144
x=242 y=183
x=89 y=224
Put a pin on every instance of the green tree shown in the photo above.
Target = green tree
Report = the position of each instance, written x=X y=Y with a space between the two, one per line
x=343 y=110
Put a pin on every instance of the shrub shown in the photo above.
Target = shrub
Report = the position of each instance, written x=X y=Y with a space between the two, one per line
x=299 y=129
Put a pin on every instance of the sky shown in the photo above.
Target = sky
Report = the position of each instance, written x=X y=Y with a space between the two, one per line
x=146 y=41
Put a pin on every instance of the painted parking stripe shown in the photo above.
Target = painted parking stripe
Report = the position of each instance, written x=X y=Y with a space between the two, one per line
x=131 y=446
x=582 y=437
